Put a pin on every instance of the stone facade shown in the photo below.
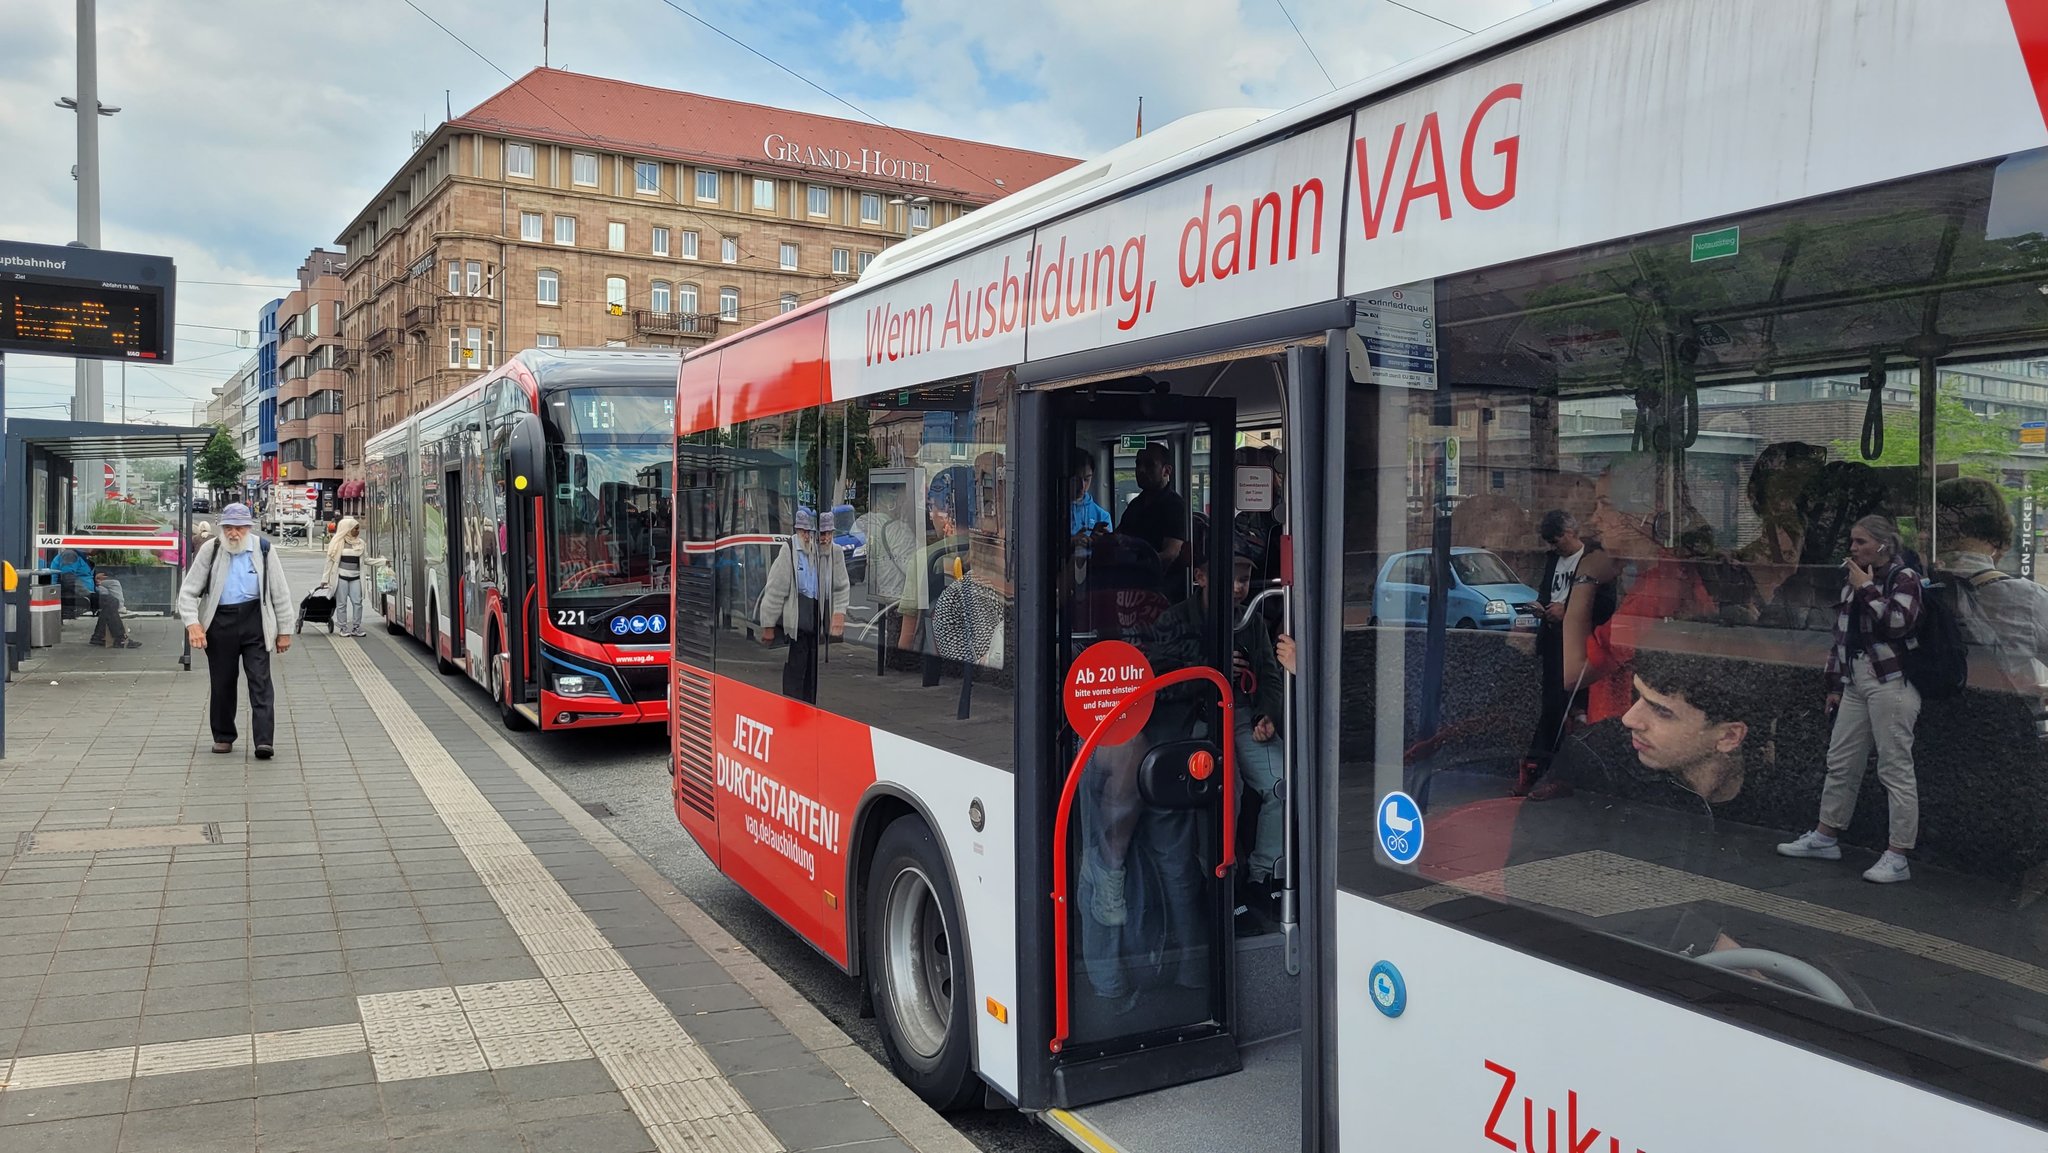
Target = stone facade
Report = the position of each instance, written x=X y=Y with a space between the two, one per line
x=531 y=221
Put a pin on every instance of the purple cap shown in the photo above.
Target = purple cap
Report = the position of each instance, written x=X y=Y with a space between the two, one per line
x=236 y=514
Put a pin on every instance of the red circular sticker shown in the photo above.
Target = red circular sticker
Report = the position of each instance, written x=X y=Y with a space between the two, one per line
x=1099 y=680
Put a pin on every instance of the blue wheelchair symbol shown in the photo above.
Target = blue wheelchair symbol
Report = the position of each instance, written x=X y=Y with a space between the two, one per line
x=1400 y=822
x=639 y=624
x=619 y=626
x=657 y=623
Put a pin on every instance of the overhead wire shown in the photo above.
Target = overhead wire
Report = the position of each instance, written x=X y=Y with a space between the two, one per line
x=864 y=113
x=1282 y=5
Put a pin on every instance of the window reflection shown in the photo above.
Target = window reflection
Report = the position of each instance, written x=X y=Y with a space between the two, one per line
x=1865 y=381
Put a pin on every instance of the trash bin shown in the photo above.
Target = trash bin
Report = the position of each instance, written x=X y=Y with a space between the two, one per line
x=45 y=608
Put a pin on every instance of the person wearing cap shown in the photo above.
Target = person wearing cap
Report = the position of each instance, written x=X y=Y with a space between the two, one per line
x=806 y=581
x=238 y=607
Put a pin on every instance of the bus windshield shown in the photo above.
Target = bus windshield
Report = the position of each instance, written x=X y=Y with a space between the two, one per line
x=609 y=516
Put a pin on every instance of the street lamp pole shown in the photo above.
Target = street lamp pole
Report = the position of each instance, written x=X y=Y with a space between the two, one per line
x=909 y=204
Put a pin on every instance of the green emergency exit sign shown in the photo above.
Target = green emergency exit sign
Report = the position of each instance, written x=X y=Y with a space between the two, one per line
x=1133 y=443
x=1717 y=244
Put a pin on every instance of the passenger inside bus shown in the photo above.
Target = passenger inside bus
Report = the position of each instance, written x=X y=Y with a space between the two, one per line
x=1721 y=428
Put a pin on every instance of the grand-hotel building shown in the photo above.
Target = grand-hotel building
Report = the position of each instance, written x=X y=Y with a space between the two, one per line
x=575 y=211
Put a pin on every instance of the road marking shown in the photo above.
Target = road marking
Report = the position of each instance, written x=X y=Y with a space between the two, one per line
x=1601 y=884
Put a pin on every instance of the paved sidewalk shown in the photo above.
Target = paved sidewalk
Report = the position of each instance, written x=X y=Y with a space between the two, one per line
x=394 y=936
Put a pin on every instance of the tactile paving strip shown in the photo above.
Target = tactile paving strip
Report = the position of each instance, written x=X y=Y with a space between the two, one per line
x=639 y=1046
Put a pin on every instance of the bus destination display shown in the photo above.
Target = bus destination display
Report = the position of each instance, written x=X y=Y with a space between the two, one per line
x=84 y=303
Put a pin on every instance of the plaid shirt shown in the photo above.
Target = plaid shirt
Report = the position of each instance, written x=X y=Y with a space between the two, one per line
x=1888 y=612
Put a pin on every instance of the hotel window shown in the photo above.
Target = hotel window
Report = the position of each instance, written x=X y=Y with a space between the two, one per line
x=476 y=278
x=657 y=298
x=788 y=259
x=519 y=160
x=707 y=185
x=454 y=348
x=661 y=242
x=920 y=216
x=729 y=249
x=614 y=293
x=455 y=278
x=530 y=226
x=473 y=349
x=789 y=302
x=583 y=169
x=764 y=193
x=565 y=230
x=866 y=258
x=615 y=236
x=842 y=262
x=686 y=299
x=821 y=200
x=647 y=176
x=728 y=304
x=689 y=251
x=870 y=208
x=547 y=340
x=549 y=289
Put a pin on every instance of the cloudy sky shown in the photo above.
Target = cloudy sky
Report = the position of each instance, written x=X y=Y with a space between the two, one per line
x=253 y=130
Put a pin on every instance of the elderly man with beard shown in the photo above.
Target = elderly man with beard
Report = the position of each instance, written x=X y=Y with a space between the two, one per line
x=236 y=605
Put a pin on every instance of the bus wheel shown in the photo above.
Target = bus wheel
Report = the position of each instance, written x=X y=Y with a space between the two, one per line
x=916 y=968
x=513 y=718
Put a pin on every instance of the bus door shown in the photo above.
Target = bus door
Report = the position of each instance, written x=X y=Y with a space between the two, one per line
x=1140 y=913
x=454 y=514
x=516 y=682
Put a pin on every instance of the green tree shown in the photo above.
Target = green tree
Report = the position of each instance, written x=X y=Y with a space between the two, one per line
x=220 y=466
x=1971 y=443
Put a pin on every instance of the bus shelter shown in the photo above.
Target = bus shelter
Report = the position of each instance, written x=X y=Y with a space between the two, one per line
x=37 y=474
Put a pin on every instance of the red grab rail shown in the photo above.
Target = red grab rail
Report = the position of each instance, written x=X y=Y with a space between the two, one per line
x=1062 y=978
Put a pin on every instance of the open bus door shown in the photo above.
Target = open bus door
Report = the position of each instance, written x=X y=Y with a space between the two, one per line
x=1135 y=903
x=516 y=678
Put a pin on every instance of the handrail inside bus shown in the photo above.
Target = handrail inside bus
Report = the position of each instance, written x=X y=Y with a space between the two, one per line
x=1062 y=976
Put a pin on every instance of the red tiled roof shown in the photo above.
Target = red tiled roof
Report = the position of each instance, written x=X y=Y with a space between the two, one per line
x=569 y=108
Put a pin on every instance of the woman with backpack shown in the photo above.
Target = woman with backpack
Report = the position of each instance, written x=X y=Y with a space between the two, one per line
x=1870 y=699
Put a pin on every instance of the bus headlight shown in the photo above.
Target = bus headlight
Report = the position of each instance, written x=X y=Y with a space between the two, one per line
x=1497 y=608
x=577 y=685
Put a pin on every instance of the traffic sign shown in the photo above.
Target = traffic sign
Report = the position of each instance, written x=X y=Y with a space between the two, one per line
x=1400 y=822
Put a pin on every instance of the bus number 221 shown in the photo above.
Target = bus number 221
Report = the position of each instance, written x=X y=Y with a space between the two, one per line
x=566 y=617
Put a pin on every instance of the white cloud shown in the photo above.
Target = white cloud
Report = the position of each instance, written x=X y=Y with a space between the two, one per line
x=251 y=132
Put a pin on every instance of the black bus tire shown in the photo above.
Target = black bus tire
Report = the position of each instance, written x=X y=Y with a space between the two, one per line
x=916 y=968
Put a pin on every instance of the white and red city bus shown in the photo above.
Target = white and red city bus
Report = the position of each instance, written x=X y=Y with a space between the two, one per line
x=543 y=484
x=1712 y=282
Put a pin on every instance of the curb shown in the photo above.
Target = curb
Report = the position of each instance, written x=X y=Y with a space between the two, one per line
x=920 y=1126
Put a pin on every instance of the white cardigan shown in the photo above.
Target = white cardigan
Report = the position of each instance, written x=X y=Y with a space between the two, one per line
x=199 y=595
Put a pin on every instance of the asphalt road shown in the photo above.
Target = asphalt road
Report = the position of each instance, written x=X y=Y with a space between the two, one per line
x=627 y=770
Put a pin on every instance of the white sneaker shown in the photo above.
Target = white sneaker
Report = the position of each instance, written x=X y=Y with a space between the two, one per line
x=1812 y=844
x=1106 y=903
x=1890 y=867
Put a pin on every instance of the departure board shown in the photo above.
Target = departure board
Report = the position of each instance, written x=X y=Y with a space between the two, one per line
x=85 y=303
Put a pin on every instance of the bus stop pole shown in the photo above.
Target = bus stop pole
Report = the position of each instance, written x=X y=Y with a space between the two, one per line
x=186 y=548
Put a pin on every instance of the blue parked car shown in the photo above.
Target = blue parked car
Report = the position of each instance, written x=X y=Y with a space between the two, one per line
x=1485 y=592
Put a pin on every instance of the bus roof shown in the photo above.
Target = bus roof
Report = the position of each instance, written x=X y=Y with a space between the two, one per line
x=552 y=368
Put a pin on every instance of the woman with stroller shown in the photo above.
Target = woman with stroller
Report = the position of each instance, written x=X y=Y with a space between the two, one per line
x=346 y=561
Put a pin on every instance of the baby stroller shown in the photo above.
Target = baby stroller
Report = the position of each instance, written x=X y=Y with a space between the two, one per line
x=318 y=609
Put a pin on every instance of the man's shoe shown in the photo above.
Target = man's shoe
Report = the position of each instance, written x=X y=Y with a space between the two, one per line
x=1106 y=902
x=223 y=746
x=1890 y=867
x=265 y=752
x=130 y=643
x=1549 y=789
x=1812 y=844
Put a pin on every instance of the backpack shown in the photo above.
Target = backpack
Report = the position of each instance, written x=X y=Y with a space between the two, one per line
x=1938 y=662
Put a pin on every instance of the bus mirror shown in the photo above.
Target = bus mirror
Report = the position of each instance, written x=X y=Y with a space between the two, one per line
x=1180 y=774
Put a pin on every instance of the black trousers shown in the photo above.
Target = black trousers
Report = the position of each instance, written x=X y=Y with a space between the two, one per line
x=234 y=645
x=800 y=672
